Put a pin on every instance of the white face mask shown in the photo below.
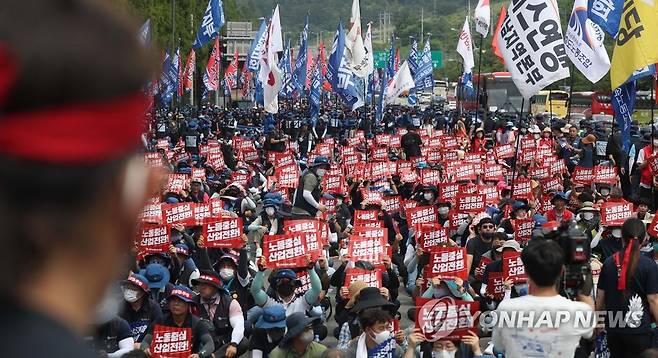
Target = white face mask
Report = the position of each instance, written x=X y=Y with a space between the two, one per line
x=381 y=337
x=269 y=211
x=130 y=295
x=655 y=142
x=588 y=215
x=307 y=337
x=226 y=273
x=428 y=196
x=537 y=135
x=444 y=210
x=616 y=233
x=321 y=172
x=444 y=354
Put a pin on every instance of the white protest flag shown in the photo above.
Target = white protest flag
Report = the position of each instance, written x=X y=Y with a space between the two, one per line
x=270 y=75
x=482 y=18
x=584 y=44
x=402 y=81
x=530 y=40
x=465 y=47
x=355 y=51
x=369 y=54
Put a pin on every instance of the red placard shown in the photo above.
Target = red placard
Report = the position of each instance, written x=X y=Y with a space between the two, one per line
x=471 y=203
x=312 y=232
x=171 y=342
x=447 y=262
x=409 y=204
x=284 y=251
x=379 y=154
x=557 y=166
x=365 y=215
x=479 y=271
x=551 y=185
x=421 y=214
x=287 y=176
x=513 y=267
x=490 y=192
x=151 y=213
x=653 y=164
x=605 y=175
x=182 y=213
x=367 y=249
x=177 y=182
x=162 y=143
x=522 y=189
x=652 y=229
x=445 y=318
x=305 y=281
x=430 y=177
x=198 y=173
x=615 y=213
x=153 y=239
x=539 y=173
x=456 y=219
x=370 y=196
x=371 y=278
x=528 y=143
x=504 y=151
x=202 y=213
x=374 y=171
x=466 y=171
x=493 y=172
x=223 y=233
x=496 y=285
x=333 y=184
x=545 y=204
x=527 y=156
x=431 y=235
x=467 y=189
x=523 y=229
x=582 y=175
x=283 y=159
x=408 y=176
x=448 y=192
x=392 y=203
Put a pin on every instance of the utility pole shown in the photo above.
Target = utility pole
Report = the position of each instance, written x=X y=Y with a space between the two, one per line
x=422 y=24
x=173 y=26
x=192 y=89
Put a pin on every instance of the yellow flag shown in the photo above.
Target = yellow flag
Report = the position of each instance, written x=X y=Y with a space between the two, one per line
x=637 y=41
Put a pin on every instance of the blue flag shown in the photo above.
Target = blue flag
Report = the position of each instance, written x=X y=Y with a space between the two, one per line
x=256 y=49
x=606 y=13
x=213 y=20
x=623 y=102
x=259 y=97
x=316 y=92
x=423 y=77
x=413 y=57
x=467 y=85
x=382 y=92
x=299 y=74
x=286 y=73
x=166 y=82
x=175 y=70
x=643 y=72
x=371 y=86
x=391 y=59
x=339 y=75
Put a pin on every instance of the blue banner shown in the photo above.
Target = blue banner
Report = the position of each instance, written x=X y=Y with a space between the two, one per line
x=607 y=14
x=423 y=77
x=256 y=49
x=316 y=92
x=339 y=75
x=286 y=73
x=391 y=59
x=413 y=57
x=299 y=74
x=623 y=102
x=213 y=20
x=643 y=72
x=382 y=92
x=166 y=82
x=259 y=95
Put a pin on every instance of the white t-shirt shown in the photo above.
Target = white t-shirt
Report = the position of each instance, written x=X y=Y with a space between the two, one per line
x=537 y=337
x=298 y=304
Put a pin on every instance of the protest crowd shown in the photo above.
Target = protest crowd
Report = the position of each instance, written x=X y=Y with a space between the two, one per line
x=292 y=235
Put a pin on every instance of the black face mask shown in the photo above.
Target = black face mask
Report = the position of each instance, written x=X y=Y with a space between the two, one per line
x=275 y=335
x=487 y=235
x=285 y=289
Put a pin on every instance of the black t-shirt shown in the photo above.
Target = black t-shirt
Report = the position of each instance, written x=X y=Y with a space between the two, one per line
x=191 y=321
x=108 y=335
x=31 y=334
x=411 y=144
x=260 y=342
x=476 y=247
x=139 y=320
x=644 y=282
x=608 y=246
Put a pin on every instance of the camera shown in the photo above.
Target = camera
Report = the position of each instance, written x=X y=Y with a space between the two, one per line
x=577 y=277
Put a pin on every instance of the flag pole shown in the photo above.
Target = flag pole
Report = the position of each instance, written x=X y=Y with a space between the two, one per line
x=477 y=92
x=570 y=92
x=516 y=151
x=653 y=105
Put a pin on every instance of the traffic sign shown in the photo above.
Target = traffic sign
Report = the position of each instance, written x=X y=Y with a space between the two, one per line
x=437 y=59
x=381 y=58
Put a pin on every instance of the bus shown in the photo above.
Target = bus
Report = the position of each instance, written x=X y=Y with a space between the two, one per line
x=497 y=92
x=550 y=101
x=643 y=104
x=589 y=103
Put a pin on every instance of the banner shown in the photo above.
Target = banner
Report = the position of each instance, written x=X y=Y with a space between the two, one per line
x=284 y=251
x=153 y=239
x=605 y=175
x=513 y=268
x=301 y=62
x=257 y=48
x=423 y=76
x=606 y=14
x=471 y=203
x=151 y=213
x=188 y=76
x=270 y=74
x=371 y=278
x=431 y=235
x=615 y=213
x=368 y=249
x=223 y=233
x=213 y=20
x=315 y=97
x=442 y=318
x=533 y=50
x=182 y=213
x=482 y=17
x=421 y=215
x=211 y=75
x=402 y=81
x=623 y=102
x=494 y=41
x=171 y=342
x=584 y=44
x=355 y=50
x=447 y=262
x=465 y=47
x=313 y=235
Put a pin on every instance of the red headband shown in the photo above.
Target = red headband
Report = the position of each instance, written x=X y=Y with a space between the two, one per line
x=85 y=133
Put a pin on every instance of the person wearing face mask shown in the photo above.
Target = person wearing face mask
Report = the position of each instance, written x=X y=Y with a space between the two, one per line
x=139 y=310
x=588 y=219
x=559 y=213
x=497 y=267
x=268 y=331
x=467 y=347
x=223 y=315
x=609 y=243
x=479 y=244
x=429 y=195
x=308 y=192
x=234 y=273
x=646 y=176
x=298 y=340
x=269 y=222
x=284 y=285
x=643 y=210
x=453 y=288
x=478 y=144
x=443 y=210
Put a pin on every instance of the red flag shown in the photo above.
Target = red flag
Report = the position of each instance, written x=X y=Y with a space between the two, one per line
x=231 y=75
x=245 y=80
x=323 y=61
x=188 y=76
x=309 y=69
x=397 y=59
x=494 y=42
x=211 y=77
